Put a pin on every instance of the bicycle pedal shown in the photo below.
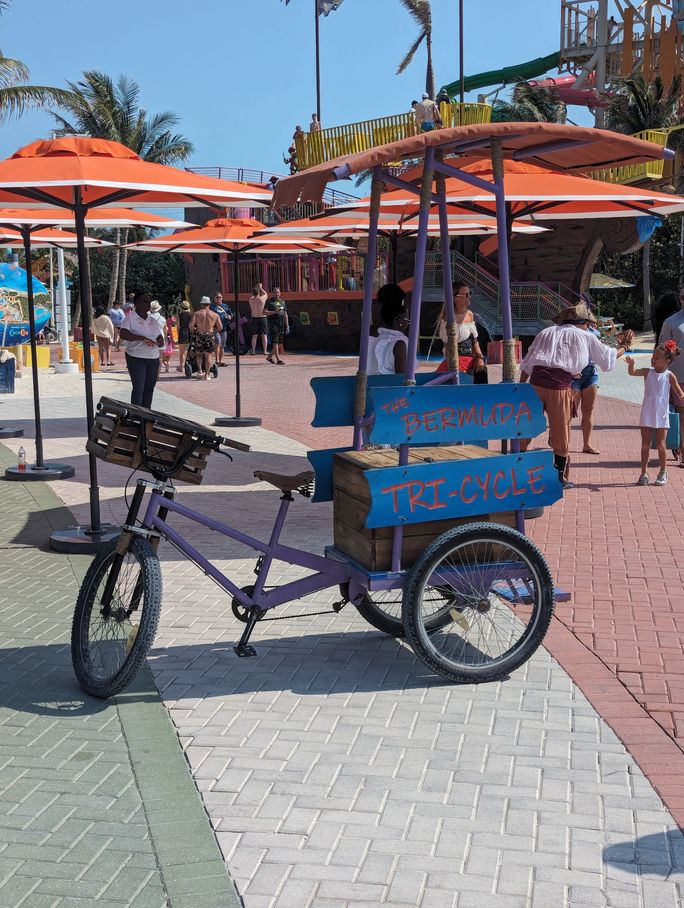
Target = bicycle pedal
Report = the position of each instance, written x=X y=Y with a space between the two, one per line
x=338 y=606
x=244 y=649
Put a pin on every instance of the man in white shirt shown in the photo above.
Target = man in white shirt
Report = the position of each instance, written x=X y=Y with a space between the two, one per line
x=143 y=338
x=557 y=355
x=673 y=329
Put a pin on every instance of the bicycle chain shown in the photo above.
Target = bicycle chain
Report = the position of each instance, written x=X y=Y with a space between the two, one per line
x=330 y=611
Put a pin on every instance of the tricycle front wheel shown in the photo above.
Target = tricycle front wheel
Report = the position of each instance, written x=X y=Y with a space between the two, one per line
x=478 y=602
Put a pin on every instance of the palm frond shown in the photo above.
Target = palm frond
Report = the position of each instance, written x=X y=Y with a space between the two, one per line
x=409 y=56
x=420 y=12
x=12 y=72
x=15 y=100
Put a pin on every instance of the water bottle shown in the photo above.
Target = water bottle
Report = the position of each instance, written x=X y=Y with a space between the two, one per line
x=22 y=459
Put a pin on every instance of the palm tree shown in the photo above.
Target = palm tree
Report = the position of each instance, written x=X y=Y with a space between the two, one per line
x=421 y=12
x=637 y=106
x=530 y=103
x=99 y=107
x=15 y=96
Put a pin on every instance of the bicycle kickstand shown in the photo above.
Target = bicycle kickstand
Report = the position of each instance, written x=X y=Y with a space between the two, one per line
x=243 y=647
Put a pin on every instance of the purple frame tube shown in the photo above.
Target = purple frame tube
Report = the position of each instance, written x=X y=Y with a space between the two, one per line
x=445 y=249
x=367 y=311
x=328 y=572
x=414 y=333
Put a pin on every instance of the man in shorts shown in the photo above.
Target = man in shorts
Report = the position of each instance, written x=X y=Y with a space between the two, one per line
x=203 y=327
x=117 y=316
x=221 y=338
x=673 y=329
x=257 y=303
x=276 y=312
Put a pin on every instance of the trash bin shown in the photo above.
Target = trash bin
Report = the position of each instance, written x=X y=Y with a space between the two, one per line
x=7 y=370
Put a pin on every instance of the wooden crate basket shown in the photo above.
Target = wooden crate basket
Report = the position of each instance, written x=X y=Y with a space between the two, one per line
x=351 y=502
x=143 y=439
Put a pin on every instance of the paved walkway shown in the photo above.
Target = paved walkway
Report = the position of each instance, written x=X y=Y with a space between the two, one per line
x=97 y=806
x=337 y=771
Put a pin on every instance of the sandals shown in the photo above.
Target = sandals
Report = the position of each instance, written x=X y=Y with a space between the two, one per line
x=590 y=451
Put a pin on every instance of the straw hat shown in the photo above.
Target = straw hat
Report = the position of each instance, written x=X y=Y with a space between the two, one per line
x=579 y=313
x=205 y=301
x=185 y=305
x=154 y=306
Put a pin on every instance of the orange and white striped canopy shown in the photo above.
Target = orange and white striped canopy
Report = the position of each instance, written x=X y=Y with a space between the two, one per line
x=53 y=171
x=533 y=191
x=48 y=237
x=102 y=217
x=234 y=234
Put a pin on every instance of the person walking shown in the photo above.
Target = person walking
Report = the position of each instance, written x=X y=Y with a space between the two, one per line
x=184 y=318
x=673 y=329
x=276 y=311
x=117 y=315
x=557 y=355
x=144 y=338
x=204 y=325
x=470 y=358
x=104 y=334
x=257 y=304
x=221 y=338
x=426 y=113
x=659 y=384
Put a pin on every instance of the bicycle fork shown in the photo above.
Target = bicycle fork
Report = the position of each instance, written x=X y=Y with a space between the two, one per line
x=243 y=647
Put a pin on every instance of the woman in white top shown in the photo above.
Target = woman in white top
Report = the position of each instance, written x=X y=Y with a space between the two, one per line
x=557 y=356
x=387 y=351
x=470 y=358
x=143 y=337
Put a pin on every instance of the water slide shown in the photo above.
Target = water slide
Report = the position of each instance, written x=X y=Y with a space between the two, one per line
x=525 y=72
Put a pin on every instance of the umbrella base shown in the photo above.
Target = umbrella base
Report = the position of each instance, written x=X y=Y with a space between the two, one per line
x=237 y=422
x=11 y=432
x=79 y=540
x=46 y=473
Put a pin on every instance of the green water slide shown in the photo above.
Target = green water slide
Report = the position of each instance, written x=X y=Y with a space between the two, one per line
x=507 y=75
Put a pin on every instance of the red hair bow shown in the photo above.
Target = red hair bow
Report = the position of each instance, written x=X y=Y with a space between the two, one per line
x=670 y=345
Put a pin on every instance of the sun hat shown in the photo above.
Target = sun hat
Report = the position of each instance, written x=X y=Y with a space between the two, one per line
x=154 y=306
x=205 y=301
x=185 y=305
x=576 y=314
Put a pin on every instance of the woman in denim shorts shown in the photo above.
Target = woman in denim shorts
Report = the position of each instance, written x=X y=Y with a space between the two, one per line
x=586 y=389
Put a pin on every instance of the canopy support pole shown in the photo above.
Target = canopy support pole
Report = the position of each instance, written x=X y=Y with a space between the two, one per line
x=367 y=312
x=238 y=421
x=447 y=279
x=414 y=329
x=85 y=539
x=39 y=471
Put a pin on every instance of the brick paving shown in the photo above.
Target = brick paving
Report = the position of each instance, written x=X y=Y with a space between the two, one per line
x=337 y=771
x=79 y=822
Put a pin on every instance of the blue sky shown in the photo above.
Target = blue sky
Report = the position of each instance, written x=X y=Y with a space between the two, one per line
x=240 y=75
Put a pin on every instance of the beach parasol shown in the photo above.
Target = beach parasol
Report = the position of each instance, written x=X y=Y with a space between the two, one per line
x=83 y=174
x=235 y=236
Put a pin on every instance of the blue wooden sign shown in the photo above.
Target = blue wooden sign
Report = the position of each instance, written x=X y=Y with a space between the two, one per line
x=461 y=488
x=444 y=414
x=335 y=395
x=322 y=463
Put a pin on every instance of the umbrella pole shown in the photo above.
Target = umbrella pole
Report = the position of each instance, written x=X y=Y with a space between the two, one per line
x=237 y=421
x=40 y=471
x=80 y=539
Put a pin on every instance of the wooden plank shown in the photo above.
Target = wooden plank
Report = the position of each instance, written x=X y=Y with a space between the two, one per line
x=423 y=492
x=445 y=414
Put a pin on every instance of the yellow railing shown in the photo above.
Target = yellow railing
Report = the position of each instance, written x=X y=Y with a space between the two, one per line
x=634 y=173
x=317 y=147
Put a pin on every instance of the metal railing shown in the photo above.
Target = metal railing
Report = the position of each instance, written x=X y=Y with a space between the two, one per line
x=530 y=301
x=633 y=173
x=244 y=175
x=316 y=147
x=307 y=273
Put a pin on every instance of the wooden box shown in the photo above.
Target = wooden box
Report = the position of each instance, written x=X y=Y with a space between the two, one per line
x=117 y=437
x=351 y=501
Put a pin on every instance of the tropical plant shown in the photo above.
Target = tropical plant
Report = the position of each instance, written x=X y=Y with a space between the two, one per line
x=16 y=97
x=421 y=12
x=530 y=103
x=99 y=107
x=638 y=105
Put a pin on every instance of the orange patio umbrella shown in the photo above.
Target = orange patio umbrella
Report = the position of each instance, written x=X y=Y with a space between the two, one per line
x=236 y=236
x=83 y=174
x=100 y=217
x=532 y=191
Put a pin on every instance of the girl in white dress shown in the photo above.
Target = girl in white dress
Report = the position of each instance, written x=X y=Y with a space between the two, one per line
x=655 y=410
